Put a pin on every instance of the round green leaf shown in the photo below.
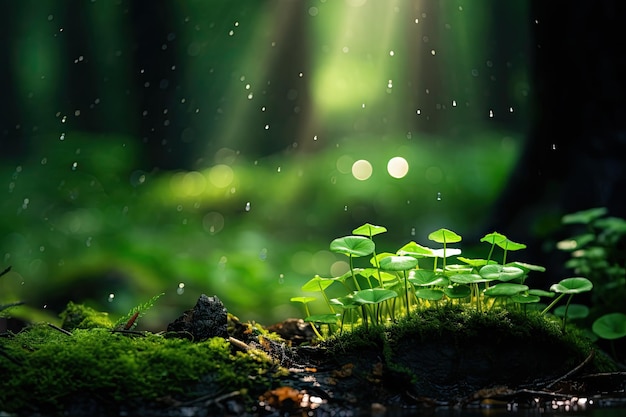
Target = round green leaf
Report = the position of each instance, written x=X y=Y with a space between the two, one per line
x=474 y=262
x=353 y=245
x=468 y=279
x=424 y=277
x=585 y=216
x=369 y=230
x=505 y=289
x=541 y=293
x=373 y=295
x=302 y=300
x=493 y=238
x=501 y=273
x=429 y=294
x=330 y=318
x=415 y=250
x=574 y=311
x=527 y=267
x=444 y=236
x=398 y=263
x=525 y=298
x=344 y=302
x=317 y=284
x=457 y=291
x=507 y=244
x=574 y=285
x=610 y=326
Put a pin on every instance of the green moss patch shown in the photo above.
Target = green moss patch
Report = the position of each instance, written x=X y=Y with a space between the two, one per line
x=45 y=369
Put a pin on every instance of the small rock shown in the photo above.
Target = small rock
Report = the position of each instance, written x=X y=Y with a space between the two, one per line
x=208 y=318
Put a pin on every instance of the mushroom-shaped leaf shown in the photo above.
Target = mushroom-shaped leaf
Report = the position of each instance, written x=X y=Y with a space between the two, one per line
x=474 y=262
x=585 y=216
x=610 y=326
x=345 y=302
x=525 y=298
x=373 y=295
x=317 y=284
x=444 y=236
x=541 y=293
x=369 y=230
x=501 y=273
x=302 y=300
x=468 y=279
x=424 y=278
x=445 y=253
x=574 y=311
x=505 y=289
x=493 y=238
x=527 y=267
x=457 y=291
x=353 y=245
x=415 y=250
x=429 y=294
x=398 y=263
x=574 y=285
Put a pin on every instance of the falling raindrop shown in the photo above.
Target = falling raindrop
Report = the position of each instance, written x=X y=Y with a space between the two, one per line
x=181 y=288
x=281 y=278
x=278 y=170
x=111 y=297
x=438 y=196
x=248 y=206
x=490 y=113
x=554 y=146
x=88 y=242
x=315 y=137
x=62 y=137
x=74 y=166
x=412 y=231
x=345 y=208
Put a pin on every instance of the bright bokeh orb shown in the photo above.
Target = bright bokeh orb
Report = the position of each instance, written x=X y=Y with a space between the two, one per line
x=362 y=170
x=398 y=167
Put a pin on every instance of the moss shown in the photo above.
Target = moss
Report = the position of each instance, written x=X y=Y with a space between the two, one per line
x=78 y=316
x=46 y=369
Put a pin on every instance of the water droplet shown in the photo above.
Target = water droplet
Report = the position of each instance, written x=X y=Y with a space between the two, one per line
x=263 y=254
x=63 y=119
x=111 y=297
x=510 y=109
x=412 y=231
x=345 y=208
x=45 y=306
x=281 y=278
x=315 y=137
x=74 y=166
x=181 y=288
x=248 y=206
x=278 y=170
x=453 y=103
x=490 y=113
x=267 y=127
x=554 y=146
x=438 y=196
x=88 y=242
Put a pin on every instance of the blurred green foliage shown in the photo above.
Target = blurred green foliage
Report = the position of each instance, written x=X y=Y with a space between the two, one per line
x=192 y=148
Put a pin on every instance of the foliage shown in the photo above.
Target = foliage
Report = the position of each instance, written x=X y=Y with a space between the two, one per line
x=413 y=280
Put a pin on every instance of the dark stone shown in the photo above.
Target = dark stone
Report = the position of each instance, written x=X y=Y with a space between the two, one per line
x=208 y=318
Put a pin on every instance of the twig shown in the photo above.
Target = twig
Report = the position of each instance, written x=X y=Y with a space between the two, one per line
x=238 y=344
x=573 y=371
x=59 y=329
x=5 y=271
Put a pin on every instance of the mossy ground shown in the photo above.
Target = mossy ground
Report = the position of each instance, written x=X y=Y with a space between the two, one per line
x=444 y=354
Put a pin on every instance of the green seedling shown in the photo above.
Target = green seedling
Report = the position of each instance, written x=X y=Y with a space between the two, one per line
x=306 y=301
x=568 y=286
x=129 y=321
x=610 y=326
x=399 y=279
x=370 y=231
x=353 y=246
x=400 y=264
x=374 y=297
